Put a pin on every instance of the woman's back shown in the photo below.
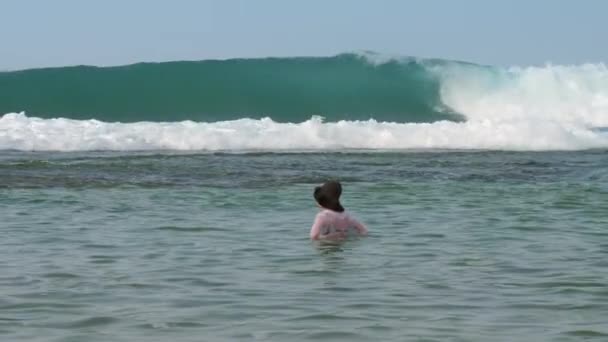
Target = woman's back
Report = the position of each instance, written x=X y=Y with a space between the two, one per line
x=333 y=225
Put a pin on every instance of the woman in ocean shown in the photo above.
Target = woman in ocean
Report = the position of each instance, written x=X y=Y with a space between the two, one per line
x=333 y=222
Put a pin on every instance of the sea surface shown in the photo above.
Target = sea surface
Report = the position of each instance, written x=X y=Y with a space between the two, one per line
x=173 y=201
x=176 y=246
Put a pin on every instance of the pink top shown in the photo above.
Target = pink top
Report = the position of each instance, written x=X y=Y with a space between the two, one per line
x=333 y=225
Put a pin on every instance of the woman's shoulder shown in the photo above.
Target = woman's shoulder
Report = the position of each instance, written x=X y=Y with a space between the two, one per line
x=324 y=212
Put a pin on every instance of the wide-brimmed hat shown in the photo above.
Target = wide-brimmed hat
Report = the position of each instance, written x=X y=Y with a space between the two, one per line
x=328 y=195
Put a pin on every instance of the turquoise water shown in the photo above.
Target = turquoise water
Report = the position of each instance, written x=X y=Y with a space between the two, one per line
x=343 y=87
x=147 y=246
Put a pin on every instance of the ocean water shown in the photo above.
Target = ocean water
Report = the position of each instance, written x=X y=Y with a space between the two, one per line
x=172 y=201
x=464 y=246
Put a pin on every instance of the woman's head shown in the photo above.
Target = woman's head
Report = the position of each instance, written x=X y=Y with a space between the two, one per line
x=328 y=195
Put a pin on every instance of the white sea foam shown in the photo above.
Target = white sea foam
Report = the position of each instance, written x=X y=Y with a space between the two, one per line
x=536 y=108
x=572 y=95
x=20 y=132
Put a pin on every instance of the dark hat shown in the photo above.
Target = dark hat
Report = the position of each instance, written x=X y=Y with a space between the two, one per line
x=328 y=195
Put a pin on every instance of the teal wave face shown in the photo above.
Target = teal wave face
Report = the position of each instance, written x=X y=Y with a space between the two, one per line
x=344 y=87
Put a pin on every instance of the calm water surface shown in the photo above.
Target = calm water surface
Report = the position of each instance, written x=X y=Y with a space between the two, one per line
x=464 y=246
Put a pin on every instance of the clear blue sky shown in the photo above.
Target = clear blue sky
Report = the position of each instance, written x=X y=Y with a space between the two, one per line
x=37 y=33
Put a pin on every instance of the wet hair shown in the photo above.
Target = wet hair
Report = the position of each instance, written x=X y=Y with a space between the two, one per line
x=328 y=195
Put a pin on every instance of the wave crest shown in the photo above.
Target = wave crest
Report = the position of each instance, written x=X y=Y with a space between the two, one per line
x=394 y=103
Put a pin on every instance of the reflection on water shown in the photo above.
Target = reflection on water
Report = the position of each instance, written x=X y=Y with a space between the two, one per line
x=329 y=247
